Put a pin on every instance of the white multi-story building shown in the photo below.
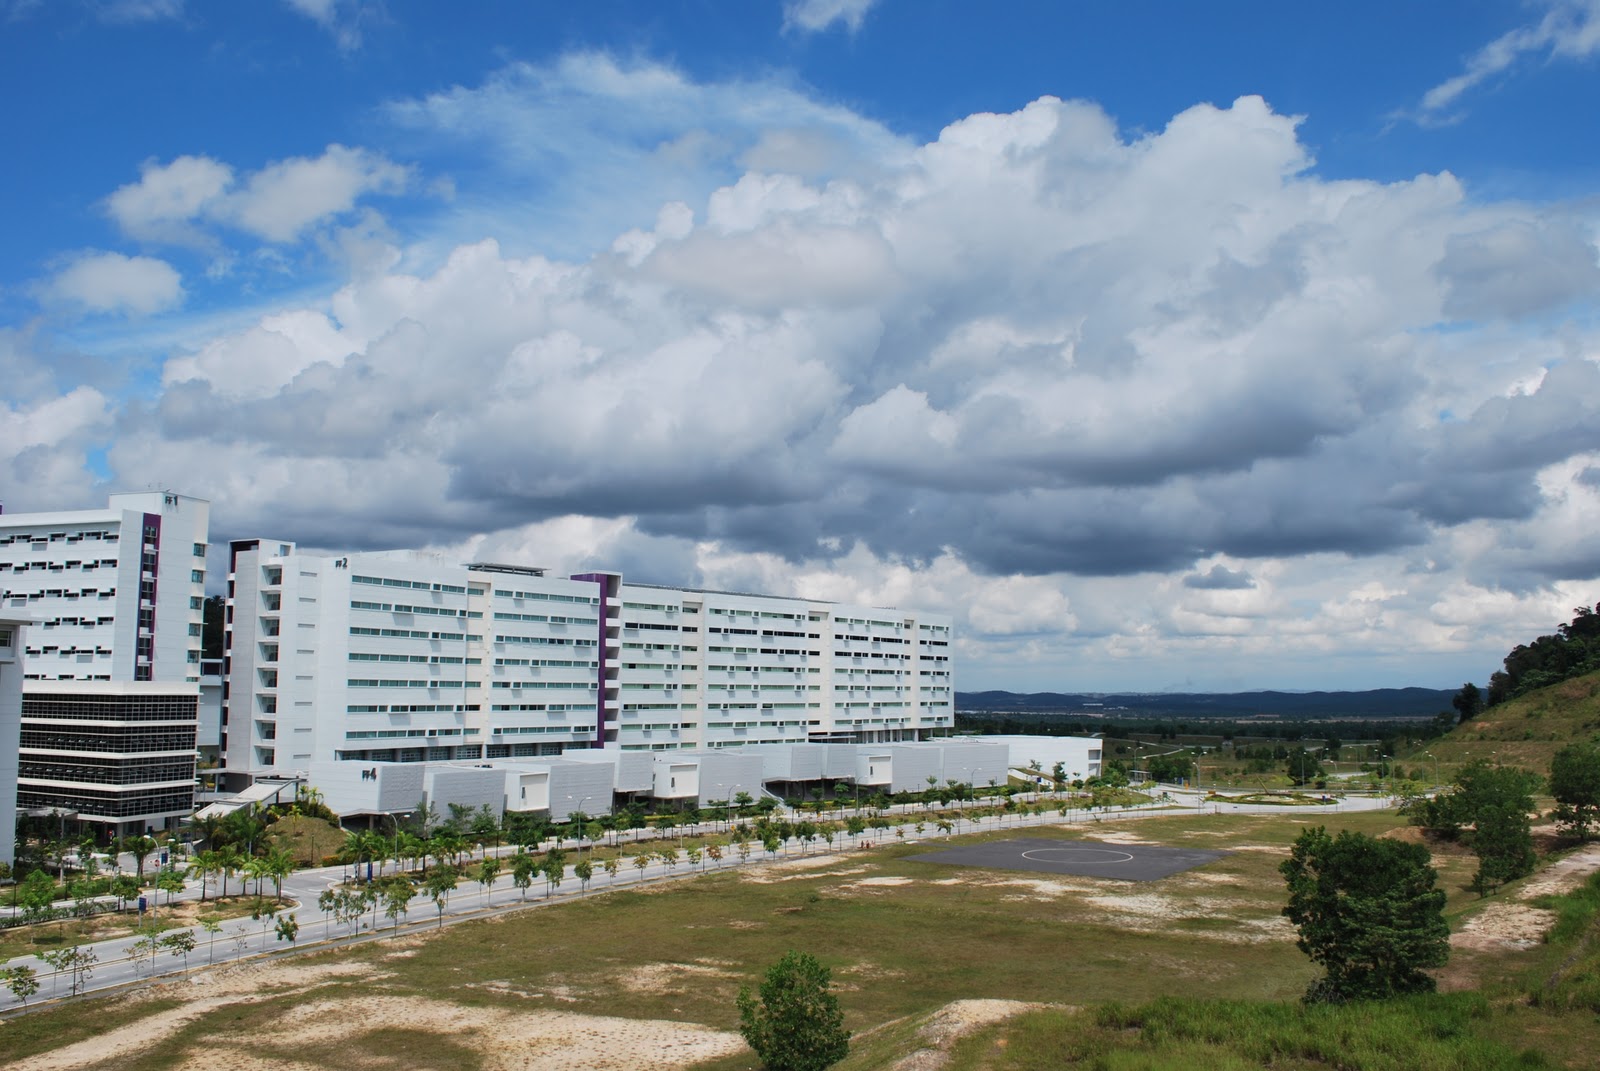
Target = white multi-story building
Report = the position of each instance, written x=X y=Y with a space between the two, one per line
x=718 y=669
x=404 y=657
x=13 y=631
x=117 y=594
x=112 y=675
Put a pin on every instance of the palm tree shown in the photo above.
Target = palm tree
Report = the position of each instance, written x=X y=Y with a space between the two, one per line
x=376 y=847
x=354 y=850
x=202 y=866
x=231 y=861
x=243 y=826
x=277 y=864
x=207 y=826
x=408 y=846
x=140 y=848
x=256 y=867
x=448 y=846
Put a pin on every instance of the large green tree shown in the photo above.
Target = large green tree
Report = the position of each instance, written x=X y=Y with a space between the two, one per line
x=1495 y=801
x=1575 y=783
x=1303 y=767
x=1503 y=843
x=1170 y=768
x=796 y=1025
x=1368 y=913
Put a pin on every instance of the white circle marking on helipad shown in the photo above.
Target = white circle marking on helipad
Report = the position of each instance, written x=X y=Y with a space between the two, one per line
x=1076 y=855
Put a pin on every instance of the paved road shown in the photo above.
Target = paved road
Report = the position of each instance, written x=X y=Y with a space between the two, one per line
x=244 y=937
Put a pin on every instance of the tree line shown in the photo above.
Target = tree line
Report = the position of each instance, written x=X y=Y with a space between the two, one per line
x=1571 y=651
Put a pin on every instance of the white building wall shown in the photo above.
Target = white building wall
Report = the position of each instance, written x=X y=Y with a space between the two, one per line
x=579 y=786
x=632 y=772
x=788 y=762
x=1080 y=756
x=754 y=669
x=911 y=765
x=13 y=639
x=472 y=787
x=81 y=575
x=542 y=659
x=874 y=767
x=838 y=761
x=675 y=777
x=725 y=774
x=369 y=787
x=974 y=762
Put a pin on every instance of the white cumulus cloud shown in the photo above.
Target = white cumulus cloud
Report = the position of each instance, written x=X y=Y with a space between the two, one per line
x=179 y=200
x=112 y=282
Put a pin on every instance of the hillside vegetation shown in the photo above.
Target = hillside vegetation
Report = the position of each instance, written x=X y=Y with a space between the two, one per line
x=1546 y=697
x=1526 y=731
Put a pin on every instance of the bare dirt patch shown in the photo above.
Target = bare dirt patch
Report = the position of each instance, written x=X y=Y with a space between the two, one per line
x=661 y=978
x=1507 y=925
x=1152 y=912
x=117 y=1044
x=952 y=1023
x=520 y=1041
x=1404 y=834
x=1121 y=836
x=1514 y=924
x=796 y=869
x=1563 y=875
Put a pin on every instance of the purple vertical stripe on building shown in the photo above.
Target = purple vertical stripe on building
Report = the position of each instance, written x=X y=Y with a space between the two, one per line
x=151 y=527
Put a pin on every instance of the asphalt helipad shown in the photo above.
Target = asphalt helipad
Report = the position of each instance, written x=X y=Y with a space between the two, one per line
x=1079 y=858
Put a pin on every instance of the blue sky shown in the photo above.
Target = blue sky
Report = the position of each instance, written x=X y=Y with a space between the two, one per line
x=1164 y=345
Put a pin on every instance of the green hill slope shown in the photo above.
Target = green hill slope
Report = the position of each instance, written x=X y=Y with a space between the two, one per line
x=1526 y=731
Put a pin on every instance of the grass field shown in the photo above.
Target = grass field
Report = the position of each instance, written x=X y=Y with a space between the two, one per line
x=904 y=938
x=27 y=940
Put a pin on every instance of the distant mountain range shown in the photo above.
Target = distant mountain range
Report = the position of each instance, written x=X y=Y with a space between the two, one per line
x=1377 y=703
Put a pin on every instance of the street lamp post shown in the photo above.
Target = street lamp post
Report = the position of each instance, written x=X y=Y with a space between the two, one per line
x=582 y=804
x=395 y=819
